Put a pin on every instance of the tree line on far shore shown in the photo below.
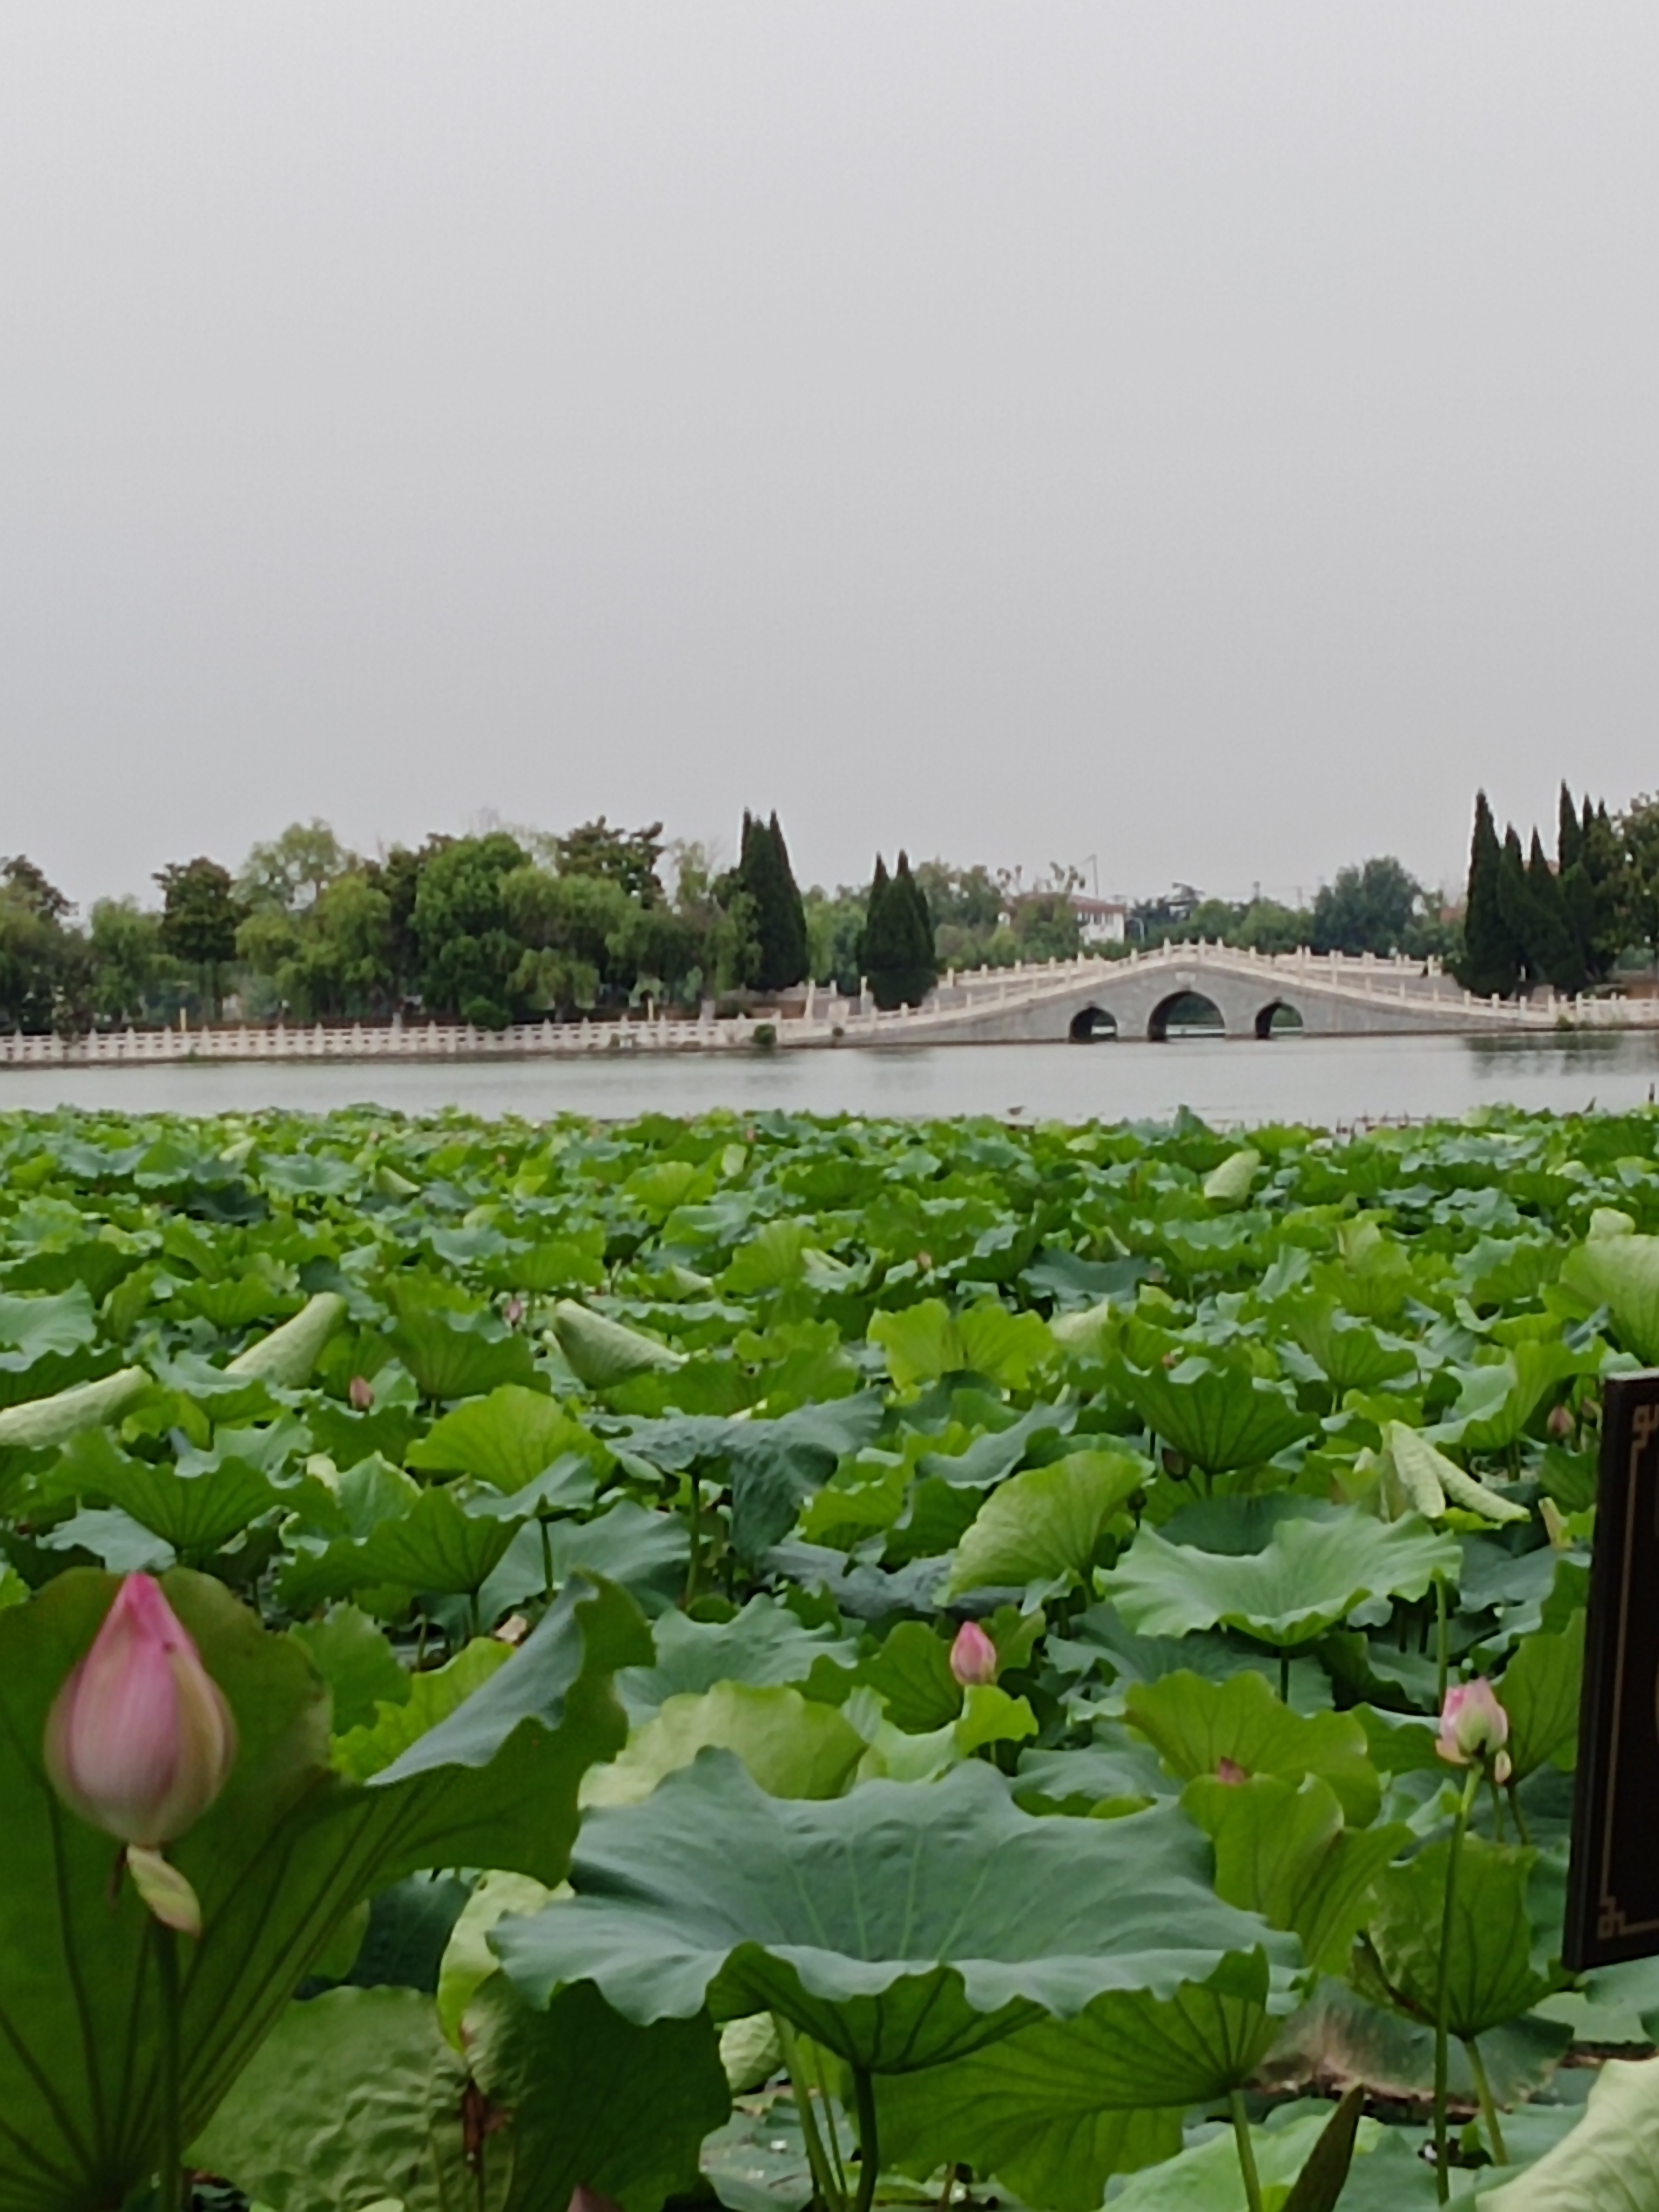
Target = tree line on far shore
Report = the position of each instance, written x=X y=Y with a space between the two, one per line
x=509 y=924
x=504 y=926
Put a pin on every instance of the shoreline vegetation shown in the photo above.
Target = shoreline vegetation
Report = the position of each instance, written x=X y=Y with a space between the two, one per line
x=505 y=927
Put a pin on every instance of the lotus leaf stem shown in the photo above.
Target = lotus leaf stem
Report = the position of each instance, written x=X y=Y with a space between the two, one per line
x=169 y=2169
x=696 y=1538
x=864 y=2096
x=1442 y=1988
x=1488 y=2106
x=546 y=1526
x=1241 y=2120
x=1515 y=1814
x=829 y=2196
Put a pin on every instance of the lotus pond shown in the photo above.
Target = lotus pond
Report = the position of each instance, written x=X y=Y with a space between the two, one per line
x=779 y=1661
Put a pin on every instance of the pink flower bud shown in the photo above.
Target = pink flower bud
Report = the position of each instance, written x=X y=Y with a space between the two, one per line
x=140 y=1740
x=1474 y=1727
x=973 y=1656
x=1560 y=1423
x=1229 y=1772
x=360 y=1391
x=513 y=1312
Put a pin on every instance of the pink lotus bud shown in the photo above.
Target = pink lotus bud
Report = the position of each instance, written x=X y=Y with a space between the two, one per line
x=1474 y=1727
x=973 y=1656
x=140 y=1740
x=360 y=1391
x=513 y=1312
x=1559 y=1425
x=1229 y=1772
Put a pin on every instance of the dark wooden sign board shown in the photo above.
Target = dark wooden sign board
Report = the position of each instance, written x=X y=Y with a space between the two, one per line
x=1613 y=1888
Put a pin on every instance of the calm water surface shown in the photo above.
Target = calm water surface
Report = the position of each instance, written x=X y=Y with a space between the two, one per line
x=1328 y=1081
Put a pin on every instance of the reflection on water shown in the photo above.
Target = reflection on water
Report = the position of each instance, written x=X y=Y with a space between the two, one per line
x=1328 y=1081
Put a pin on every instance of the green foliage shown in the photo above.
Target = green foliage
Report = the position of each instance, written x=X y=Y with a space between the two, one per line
x=895 y=952
x=1179 y=1428
x=766 y=881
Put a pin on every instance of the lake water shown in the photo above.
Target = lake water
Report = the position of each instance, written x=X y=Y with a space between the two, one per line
x=1328 y=1081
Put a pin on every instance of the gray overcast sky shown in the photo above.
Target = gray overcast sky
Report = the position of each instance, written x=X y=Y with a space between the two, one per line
x=1213 y=435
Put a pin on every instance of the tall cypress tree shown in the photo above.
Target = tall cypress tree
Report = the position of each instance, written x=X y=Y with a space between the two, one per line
x=1490 y=963
x=895 y=952
x=1551 y=948
x=764 y=874
x=1569 y=834
x=1515 y=904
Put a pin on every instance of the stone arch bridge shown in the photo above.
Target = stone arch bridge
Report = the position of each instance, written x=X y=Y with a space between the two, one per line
x=1175 y=989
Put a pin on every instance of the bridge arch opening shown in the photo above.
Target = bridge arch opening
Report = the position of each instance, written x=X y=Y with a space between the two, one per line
x=1093 y=1025
x=1279 y=1018
x=1185 y=1014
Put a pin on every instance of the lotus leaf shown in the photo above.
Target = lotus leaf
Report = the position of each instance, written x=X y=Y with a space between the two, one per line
x=1043 y=1525
x=1310 y=1575
x=1218 y=1414
x=899 y=1926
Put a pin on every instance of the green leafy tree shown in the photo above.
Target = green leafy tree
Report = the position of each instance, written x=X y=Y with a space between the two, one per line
x=1367 y=909
x=31 y=946
x=1491 y=957
x=200 y=915
x=133 y=976
x=765 y=877
x=1267 y=926
x=398 y=873
x=835 y=926
x=294 y=869
x=625 y=857
x=469 y=954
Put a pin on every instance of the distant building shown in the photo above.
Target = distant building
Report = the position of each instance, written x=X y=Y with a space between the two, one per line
x=1100 y=921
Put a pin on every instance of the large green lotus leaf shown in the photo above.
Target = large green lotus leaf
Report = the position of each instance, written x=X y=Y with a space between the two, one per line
x=1310 y=1574
x=506 y=1440
x=764 y=1645
x=792 y=1746
x=31 y=1327
x=196 y=1508
x=899 y=1926
x=435 y=1545
x=398 y=1722
x=1540 y=1692
x=1608 y=2163
x=355 y=2097
x=1027 y=2111
x=1218 y=1414
x=1194 y=1724
x=775 y=1464
x=354 y=1658
x=1043 y=1525
x=358 y=2098
x=1283 y=1852
x=1622 y=1275
x=601 y=1353
x=279 y=1862
x=1352 y=1354
x=1057 y=2108
x=1207 y=2179
x=1491 y=1976
x=1496 y=1402
x=452 y=1349
x=926 y=1341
